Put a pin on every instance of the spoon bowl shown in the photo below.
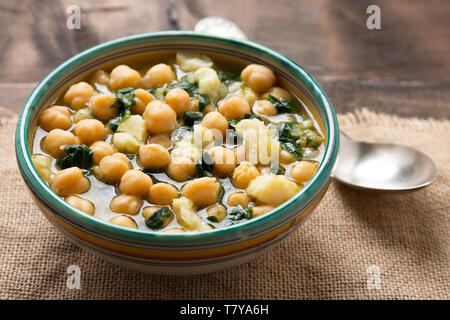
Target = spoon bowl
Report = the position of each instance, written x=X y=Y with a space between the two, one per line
x=383 y=166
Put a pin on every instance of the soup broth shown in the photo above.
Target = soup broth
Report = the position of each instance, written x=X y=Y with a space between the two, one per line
x=179 y=142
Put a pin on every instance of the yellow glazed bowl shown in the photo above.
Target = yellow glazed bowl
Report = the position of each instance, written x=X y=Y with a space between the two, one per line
x=170 y=253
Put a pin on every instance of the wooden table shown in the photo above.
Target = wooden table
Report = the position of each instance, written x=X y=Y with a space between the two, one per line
x=402 y=69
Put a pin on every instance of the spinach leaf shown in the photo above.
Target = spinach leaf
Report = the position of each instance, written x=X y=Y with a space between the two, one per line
x=275 y=170
x=283 y=105
x=213 y=219
x=77 y=156
x=205 y=169
x=125 y=99
x=284 y=131
x=225 y=76
x=233 y=122
x=203 y=101
x=156 y=220
x=253 y=116
x=291 y=148
x=239 y=214
x=191 y=89
x=221 y=194
x=288 y=132
x=190 y=117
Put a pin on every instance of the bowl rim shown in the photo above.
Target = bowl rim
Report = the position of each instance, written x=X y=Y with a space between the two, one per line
x=100 y=227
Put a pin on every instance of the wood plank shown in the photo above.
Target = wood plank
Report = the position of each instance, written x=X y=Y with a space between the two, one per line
x=327 y=37
x=402 y=69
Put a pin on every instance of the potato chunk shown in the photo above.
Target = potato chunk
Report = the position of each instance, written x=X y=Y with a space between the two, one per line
x=272 y=189
x=187 y=215
x=43 y=166
x=260 y=146
x=125 y=142
x=135 y=125
x=208 y=82
x=190 y=61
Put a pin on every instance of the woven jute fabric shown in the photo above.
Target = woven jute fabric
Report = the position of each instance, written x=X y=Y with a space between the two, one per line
x=352 y=237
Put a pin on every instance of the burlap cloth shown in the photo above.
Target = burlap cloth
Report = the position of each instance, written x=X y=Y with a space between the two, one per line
x=405 y=235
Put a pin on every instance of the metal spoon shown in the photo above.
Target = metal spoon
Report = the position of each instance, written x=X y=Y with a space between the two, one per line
x=375 y=166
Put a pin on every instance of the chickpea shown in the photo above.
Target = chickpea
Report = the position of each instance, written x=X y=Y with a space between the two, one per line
x=154 y=156
x=239 y=152
x=181 y=168
x=161 y=139
x=55 y=117
x=89 y=131
x=124 y=221
x=209 y=108
x=259 y=210
x=112 y=168
x=238 y=198
x=194 y=104
x=179 y=101
x=243 y=174
x=202 y=191
x=102 y=106
x=264 y=108
x=175 y=230
x=162 y=194
x=279 y=93
x=101 y=149
x=78 y=95
x=216 y=213
x=125 y=203
x=224 y=160
x=286 y=157
x=69 y=181
x=135 y=182
x=55 y=141
x=303 y=171
x=148 y=212
x=215 y=120
x=122 y=157
x=158 y=75
x=159 y=117
x=258 y=77
x=100 y=77
x=123 y=76
x=143 y=98
x=81 y=204
x=234 y=108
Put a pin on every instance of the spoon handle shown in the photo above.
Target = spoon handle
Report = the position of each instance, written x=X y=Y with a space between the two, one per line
x=219 y=27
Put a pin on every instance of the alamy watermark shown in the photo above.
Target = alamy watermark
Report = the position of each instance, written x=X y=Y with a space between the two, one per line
x=373 y=277
x=373 y=22
x=73 y=20
x=74 y=278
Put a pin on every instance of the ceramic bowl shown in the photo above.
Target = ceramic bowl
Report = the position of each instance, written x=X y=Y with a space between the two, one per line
x=167 y=253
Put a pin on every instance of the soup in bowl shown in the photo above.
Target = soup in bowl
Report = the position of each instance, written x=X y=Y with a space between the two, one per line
x=177 y=152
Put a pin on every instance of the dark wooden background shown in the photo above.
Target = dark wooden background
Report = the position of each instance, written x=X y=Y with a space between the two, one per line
x=402 y=69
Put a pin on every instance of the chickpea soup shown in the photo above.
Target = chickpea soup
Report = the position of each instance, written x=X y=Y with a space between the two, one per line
x=186 y=144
